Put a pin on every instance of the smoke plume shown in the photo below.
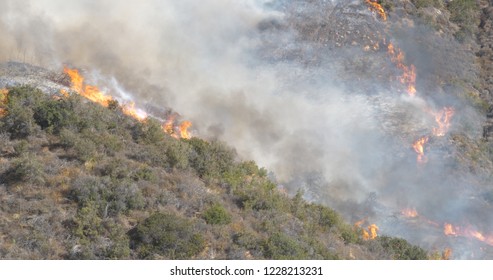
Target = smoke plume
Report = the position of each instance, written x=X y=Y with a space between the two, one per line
x=321 y=113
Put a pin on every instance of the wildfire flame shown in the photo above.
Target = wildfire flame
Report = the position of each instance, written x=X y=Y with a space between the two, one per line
x=130 y=110
x=447 y=253
x=443 y=118
x=408 y=76
x=369 y=234
x=88 y=91
x=359 y=223
x=448 y=229
x=184 y=129
x=373 y=231
x=3 y=101
x=177 y=131
x=451 y=230
x=168 y=125
x=374 y=6
x=418 y=147
x=94 y=94
x=409 y=212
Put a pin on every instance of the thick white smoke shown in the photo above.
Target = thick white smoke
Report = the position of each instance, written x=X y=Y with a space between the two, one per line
x=240 y=73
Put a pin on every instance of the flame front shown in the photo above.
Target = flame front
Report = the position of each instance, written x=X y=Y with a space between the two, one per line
x=442 y=119
x=408 y=76
x=370 y=232
x=447 y=253
x=374 y=6
x=418 y=147
x=451 y=230
x=94 y=94
x=448 y=229
x=88 y=91
x=168 y=125
x=184 y=129
x=373 y=231
x=410 y=212
x=130 y=110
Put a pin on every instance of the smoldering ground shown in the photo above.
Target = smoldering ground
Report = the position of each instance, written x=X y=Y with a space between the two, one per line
x=275 y=80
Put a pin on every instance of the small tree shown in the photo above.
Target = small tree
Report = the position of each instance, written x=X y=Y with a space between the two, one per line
x=217 y=215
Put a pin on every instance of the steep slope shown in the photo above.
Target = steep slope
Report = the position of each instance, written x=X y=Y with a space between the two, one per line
x=82 y=181
x=377 y=109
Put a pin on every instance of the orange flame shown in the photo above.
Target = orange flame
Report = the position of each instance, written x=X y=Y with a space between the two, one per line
x=373 y=231
x=449 y=229
x=443 y=118
x=374 y=6
x=419 y=149
x=94 y=94
x=408 y=76
x=409 y=212
x=168 y=125
x=184 y=129
x=177 y=131
x=90 y=92
x=359 y=223
x=3 y=101
x=130 y=110
x=447 y=253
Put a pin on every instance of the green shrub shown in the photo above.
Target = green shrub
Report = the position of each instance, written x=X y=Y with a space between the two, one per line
x=217 y=215
x=110 y=197
x=51 y=115
x=167 y=235
x=349 y=234
x=279 y=246
x=428 y=3
x=26 y=168
x=388 y=5
x=148 y=132
x=99 y=238
x=400 y=249
x=177 y=153
x=327 y=217
x=19 y=121
x=210 y=159
x=465 y=14
x=84 y=149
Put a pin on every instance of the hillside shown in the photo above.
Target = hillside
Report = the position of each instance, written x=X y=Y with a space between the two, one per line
x=286 y=129
x=80 y=181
